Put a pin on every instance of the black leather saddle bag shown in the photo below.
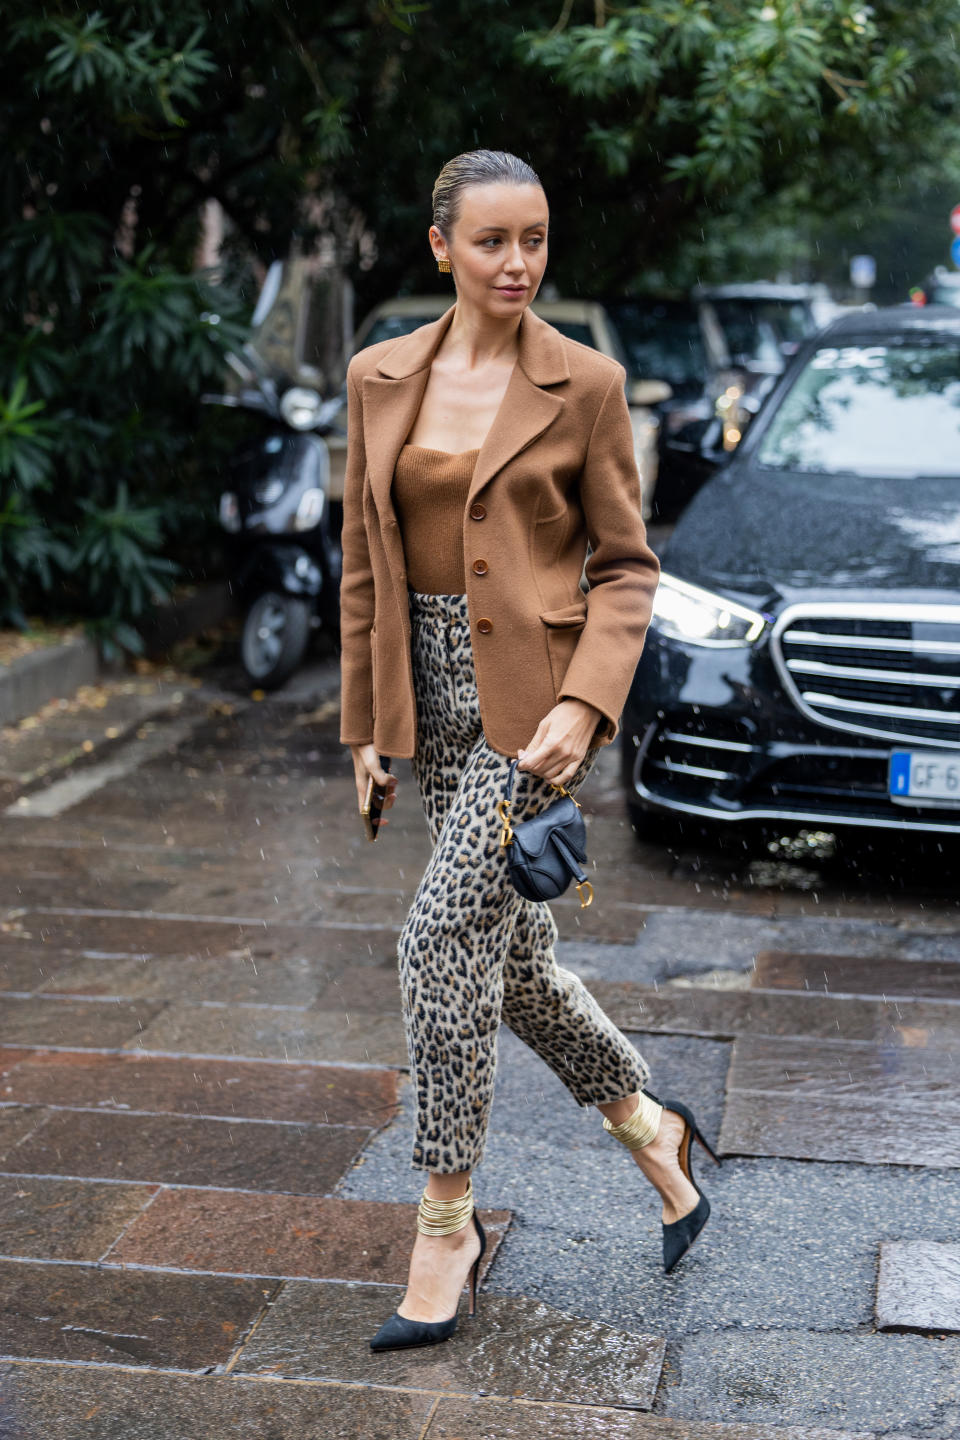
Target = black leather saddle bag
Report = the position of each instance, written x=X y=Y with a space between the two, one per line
x=547 y=851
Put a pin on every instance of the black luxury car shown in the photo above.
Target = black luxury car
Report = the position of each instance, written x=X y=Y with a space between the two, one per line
x=803 y=663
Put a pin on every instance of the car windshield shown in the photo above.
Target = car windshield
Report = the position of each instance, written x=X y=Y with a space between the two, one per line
x=888 y=410
x=391 y=327
x=575 y=330
x=763 y=330
x=662 y=343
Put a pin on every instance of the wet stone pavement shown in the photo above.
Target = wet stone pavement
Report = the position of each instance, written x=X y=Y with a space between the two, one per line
x=206 y=1201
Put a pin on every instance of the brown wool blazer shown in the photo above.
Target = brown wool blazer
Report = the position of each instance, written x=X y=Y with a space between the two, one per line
x=556 y=470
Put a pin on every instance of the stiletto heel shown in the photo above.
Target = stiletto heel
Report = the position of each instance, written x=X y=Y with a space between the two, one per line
x=435 y=1217
x=636 y=1133
x=475 y=1272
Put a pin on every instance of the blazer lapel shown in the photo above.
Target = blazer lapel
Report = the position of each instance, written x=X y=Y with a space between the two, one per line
x=525 y=412
x=389 y=410
x=526 y=409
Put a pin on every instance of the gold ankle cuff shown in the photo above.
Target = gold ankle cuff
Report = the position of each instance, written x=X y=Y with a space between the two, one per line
x=443 y=1217
x=639 y=1128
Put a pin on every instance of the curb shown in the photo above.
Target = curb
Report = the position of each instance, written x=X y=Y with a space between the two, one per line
x=30 y=681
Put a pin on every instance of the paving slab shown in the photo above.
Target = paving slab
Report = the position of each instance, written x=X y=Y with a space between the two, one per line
x=247 y=1090
x=80 y=879
x=130 y=933
x=919 y=1286
x=130 y=1317
x=725 y=1014
x=844 y=1101
x=230 y=977
x=832 y=1130
x=11 y=1057
x=16 y=1123
x=513 y=1347
x=292 y=1235
x=78 y=1024
x=878 y=976
x=38 y=1402
x=256 y=1032
x=357 y=989
x=175 y=1150
x=331 y=951
x=852 y=1071
x=889 y=1383
x=24 y=970
x=65 y=1219
x=690 y=940
x=483 y=1419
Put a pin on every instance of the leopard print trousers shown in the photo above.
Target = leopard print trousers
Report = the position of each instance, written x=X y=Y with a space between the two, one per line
x=473 y=951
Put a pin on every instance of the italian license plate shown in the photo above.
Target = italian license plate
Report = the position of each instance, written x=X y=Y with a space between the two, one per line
x=925 y=777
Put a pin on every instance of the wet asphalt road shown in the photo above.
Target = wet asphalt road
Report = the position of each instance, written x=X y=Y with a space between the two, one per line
x=206 y=1115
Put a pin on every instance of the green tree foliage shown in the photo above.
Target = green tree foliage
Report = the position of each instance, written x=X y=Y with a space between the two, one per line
x=107 y=336
x=671 y=138
x=797 y=116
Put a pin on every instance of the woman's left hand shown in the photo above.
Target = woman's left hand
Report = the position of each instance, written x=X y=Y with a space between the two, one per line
x=562 y=740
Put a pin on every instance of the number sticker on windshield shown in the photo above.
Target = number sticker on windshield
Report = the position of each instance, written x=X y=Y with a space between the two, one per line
x=850 y=357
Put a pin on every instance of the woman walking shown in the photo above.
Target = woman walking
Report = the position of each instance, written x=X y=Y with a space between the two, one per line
x=486 y=452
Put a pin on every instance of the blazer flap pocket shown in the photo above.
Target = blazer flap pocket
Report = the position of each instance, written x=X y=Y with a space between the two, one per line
x=567 y=617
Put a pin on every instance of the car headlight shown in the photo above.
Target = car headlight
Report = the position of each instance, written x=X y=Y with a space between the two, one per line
x=300 y=407
x=701 y=618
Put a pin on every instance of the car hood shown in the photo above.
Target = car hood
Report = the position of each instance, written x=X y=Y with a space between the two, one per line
x=760 y=534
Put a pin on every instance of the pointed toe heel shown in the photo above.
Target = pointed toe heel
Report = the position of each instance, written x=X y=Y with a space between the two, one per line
x=640 y=1130
x=399 y=1333
x=680 y=1234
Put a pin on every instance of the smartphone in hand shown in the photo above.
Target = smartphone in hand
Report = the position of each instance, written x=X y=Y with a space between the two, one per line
x=373 y=803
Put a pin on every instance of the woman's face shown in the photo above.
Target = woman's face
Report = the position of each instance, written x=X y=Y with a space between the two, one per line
x=498 y=247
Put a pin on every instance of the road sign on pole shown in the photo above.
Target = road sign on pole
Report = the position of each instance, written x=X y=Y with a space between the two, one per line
x=955 y=219
x=955 y=251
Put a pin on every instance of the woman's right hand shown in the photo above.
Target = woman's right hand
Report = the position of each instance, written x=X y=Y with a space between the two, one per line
x=366 y=762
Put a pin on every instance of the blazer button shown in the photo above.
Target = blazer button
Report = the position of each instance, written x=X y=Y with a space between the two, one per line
x=478 y=512
x=480 y=567
x=484 y=626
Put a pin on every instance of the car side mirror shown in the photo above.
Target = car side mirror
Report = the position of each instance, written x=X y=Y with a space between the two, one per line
x=648 y=392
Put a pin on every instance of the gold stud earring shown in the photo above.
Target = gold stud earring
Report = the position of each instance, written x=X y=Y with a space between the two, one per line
x=443 y=266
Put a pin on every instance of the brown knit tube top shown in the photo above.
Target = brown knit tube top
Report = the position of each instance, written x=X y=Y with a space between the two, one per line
x=430 y=495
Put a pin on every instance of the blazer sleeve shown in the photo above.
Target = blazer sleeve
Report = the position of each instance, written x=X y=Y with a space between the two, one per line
x=622 y=570
x=356 y=587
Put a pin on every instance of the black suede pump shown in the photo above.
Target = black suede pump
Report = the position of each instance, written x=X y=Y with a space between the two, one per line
x=399 y=1333
x=680 y=1234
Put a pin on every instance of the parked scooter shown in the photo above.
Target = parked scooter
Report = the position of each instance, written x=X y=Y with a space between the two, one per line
x=283 y=525
x=283 y=508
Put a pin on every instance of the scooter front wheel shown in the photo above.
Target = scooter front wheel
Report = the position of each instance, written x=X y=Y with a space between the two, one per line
x=276 y=632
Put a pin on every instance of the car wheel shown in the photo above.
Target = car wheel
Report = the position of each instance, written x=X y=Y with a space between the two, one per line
x=276 y=632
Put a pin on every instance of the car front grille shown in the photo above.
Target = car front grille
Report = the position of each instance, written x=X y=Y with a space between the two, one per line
x=889 y=670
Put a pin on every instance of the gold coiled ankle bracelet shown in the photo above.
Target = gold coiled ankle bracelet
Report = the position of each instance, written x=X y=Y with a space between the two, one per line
x=639 y=1128
x=444 y=1217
